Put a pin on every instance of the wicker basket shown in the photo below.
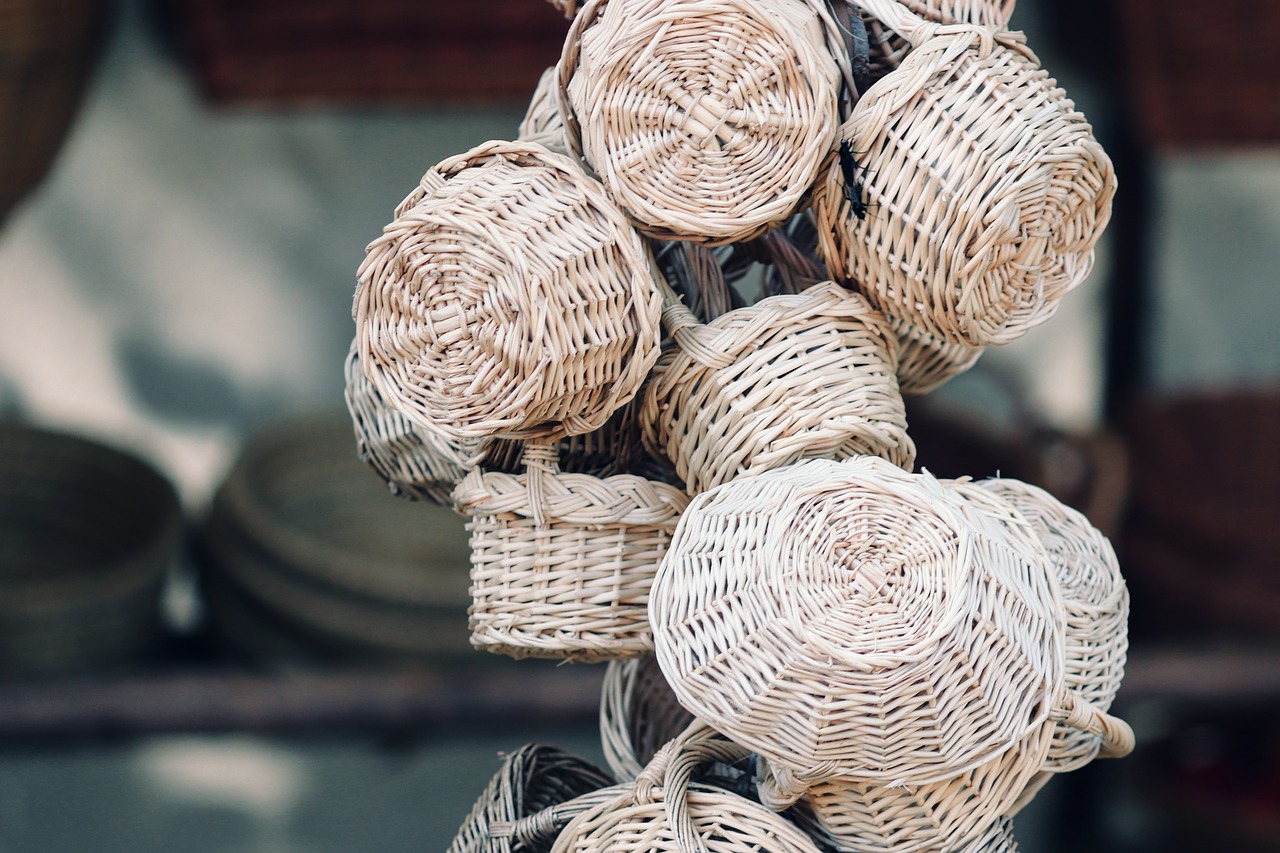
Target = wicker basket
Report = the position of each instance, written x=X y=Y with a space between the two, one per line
x=638 y=715
x=706 y=120
x=509 y=298
x=304 y=533
x=1096 y=605
x=982 y=243
x=788 y=378
x=666 y=811
x=878 y=817
x=416 y=463
x=87 y=534
x=536 y=781
x=887 y=49
x=542 y=122
x=828 y=616
x=561 y=564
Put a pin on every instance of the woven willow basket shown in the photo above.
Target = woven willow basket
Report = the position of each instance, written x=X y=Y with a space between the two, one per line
x=848 y=620
x=542 y=123
x=509 y=298
x=528 y=800
x=1096 y=603
x=416 y=463
x=887 y=49
x=638 y=715
x=666 y=811
x=707 y=120
x=791 y=377
x=926 y=361
x=561 y=564
x=980 y=242
x=878 y=817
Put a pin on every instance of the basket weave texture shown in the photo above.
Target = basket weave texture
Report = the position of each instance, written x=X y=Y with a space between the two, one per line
x=1096 y=606
x=707 y=120
x=839 y=618
x=87 y=533
x=667 y=811
x=519 y=809
x=561 y=564
x=542 y=122
x=638 y=715
x=509 y=297
x=980 y=243
x=877 y=817
x=791 y=377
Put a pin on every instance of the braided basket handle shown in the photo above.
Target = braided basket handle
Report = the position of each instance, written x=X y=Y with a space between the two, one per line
x=1116 y=735
x=541 y=460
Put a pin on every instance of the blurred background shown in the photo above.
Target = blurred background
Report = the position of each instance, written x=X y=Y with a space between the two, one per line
x=186 y=191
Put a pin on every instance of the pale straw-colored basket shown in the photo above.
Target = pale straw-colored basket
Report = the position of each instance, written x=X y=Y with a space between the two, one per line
x=791 y=377
x=561 y=563
x=851 y=620
x=887 y=49
x=865 y=816
x=670 y=810
x=926 y=361
x=973 y=236
x=534 y=794
x=1096 y=603
x=638 y=715
x=509 y=297
x=707 y=120
x=416 y=463
x=542 y=122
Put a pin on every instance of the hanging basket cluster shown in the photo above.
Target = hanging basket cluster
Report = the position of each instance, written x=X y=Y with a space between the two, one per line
x=706 y=480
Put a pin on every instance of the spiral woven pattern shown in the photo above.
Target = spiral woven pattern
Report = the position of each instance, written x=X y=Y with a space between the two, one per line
x=707 y=120
x=638 y=715
x=842 y=619
x=542 y=122
x=1096 y=603
x=508 y=298
x=980 y=241
x=561 y=564
x=863 y=816
x=532 y=780
x=416 y=463
x=789 y=378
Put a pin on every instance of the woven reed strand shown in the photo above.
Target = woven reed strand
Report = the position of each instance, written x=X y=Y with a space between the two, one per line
x=561 y=564
x=980 y=241
x=508 y=298
x=888 y=49
x=1096 y=603
x=707 y=120
x=791 y=377
x=842 y=619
